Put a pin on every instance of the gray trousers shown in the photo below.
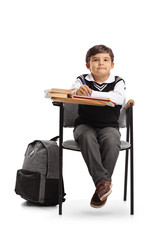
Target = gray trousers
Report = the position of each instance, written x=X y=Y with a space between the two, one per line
x=100 y=150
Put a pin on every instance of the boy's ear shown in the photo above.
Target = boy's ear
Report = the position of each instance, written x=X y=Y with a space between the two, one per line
x=112 y=65
x=87 y=65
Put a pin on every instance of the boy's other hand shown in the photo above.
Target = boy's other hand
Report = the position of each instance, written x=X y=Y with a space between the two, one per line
x=84 y=90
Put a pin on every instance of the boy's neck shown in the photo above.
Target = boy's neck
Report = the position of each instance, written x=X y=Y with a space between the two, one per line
x=100 y=79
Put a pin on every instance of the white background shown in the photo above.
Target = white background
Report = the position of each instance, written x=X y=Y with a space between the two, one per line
x=43 y=45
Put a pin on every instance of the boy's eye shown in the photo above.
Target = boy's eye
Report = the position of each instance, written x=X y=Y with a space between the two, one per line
x=105 y=60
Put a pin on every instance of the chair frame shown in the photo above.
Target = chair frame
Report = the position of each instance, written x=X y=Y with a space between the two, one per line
x=129 y=138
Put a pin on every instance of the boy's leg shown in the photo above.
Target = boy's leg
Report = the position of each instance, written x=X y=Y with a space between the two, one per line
x=100 y=149
x=86 y=136
x=109 y=141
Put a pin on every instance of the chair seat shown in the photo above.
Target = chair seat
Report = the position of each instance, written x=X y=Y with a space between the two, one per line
x=73 y=145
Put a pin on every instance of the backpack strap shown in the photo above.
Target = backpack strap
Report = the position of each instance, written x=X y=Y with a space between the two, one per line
x=53 y=158
x=54 y=139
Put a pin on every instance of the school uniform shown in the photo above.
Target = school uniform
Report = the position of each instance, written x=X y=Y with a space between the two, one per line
x=96 y=128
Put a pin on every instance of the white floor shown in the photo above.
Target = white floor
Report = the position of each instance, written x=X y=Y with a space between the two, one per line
x=23 y=221
x=26 y=221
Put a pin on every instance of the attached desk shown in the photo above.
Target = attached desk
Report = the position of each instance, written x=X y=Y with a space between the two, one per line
x=59 y=101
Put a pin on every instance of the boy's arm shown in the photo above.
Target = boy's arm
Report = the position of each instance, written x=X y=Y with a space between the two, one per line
x=76 y=85
x=117 y=95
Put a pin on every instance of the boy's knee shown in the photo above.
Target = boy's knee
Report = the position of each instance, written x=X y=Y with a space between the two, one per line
x=84 y=133
x=111 y=138
x=114 y=142
x=87 y=136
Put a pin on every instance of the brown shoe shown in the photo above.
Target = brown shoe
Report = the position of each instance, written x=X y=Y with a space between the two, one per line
x=96 y=202
x=103 y=189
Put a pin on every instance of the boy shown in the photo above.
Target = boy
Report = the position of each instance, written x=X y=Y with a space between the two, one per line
x=96 y=128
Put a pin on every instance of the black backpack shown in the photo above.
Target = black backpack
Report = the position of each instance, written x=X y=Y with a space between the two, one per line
x=37 y=181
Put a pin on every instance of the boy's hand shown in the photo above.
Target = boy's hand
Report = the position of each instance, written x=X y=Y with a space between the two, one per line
x=84 y=90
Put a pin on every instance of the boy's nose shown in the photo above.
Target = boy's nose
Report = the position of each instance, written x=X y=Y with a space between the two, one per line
x=101 y=62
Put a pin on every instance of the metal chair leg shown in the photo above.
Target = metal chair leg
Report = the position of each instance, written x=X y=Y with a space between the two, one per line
x=125 y=177
x=132 y=184
x=126 y=158
x=132 y=162
x=60 y=157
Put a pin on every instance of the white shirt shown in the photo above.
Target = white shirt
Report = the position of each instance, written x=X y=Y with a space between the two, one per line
x=117 y=95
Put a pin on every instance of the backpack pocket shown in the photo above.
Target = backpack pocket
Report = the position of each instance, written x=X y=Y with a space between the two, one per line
x=28 y=185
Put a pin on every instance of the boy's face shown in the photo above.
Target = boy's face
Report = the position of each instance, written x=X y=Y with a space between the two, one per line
x=100 y=65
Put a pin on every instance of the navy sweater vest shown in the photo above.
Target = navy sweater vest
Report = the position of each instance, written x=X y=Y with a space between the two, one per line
x=99 y=117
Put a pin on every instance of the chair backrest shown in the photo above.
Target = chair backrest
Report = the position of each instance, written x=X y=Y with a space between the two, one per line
x=71 y=113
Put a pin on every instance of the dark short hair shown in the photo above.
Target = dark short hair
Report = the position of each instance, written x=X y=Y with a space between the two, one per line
x=99 y=49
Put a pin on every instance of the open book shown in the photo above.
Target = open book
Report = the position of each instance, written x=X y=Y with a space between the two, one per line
x=107 y=100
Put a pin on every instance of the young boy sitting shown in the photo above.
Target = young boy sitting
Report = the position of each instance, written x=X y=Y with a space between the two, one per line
x=96 y=128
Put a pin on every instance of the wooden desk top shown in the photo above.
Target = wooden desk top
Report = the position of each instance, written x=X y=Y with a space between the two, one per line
x=57 y=98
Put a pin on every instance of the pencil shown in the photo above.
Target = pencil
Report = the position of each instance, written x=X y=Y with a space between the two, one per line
x=85 y=83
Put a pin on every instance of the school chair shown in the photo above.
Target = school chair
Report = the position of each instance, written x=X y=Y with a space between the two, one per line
x=68 y=113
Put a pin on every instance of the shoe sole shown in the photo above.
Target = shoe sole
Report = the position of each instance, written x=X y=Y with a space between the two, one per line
x=95 y=206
